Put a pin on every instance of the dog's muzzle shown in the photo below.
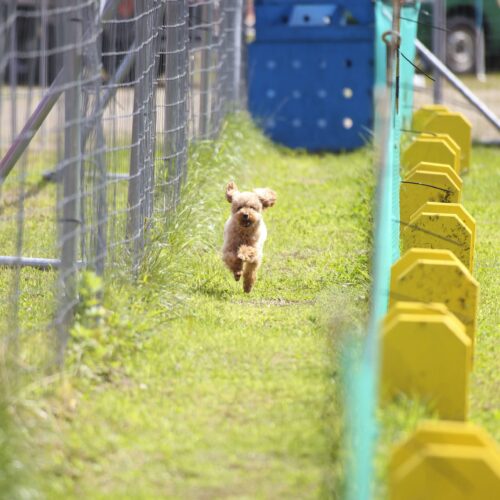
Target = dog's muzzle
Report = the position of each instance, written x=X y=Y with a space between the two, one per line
x=245 y=220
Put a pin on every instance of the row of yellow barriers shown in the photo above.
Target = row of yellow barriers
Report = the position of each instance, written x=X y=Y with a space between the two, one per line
x=428 y=334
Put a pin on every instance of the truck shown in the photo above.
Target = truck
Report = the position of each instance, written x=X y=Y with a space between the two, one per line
x=461 y=32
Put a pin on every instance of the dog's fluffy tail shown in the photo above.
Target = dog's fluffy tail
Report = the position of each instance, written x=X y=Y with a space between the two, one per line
x=247 y=254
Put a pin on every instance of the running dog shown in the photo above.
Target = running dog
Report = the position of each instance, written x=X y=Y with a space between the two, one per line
x=245 y=232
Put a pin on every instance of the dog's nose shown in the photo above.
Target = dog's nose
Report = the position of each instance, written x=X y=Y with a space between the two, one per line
x=245 y=216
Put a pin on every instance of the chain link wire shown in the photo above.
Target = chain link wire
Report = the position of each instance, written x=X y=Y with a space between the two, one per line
x=100 y=102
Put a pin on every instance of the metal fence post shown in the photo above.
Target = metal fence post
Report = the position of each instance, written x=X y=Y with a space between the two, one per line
x=233 y=22
x=100 y=244
x=101 y=238
x=236 y=42
x=172 y=99
x=206 y=63
x=439 y=46
x=243 y=56
x=70 y=211
x=221 y=96
x=154 y=14
x=184 y=84
x=94 y=171
x=135 y=226
x=480 y=49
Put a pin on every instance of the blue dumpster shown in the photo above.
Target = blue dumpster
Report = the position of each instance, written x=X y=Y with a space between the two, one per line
x=311 y=74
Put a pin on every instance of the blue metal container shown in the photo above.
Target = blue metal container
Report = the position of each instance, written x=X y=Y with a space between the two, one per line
x=311 y=72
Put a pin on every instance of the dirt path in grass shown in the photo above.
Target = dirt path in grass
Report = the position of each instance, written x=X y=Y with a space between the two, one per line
x=211 y=393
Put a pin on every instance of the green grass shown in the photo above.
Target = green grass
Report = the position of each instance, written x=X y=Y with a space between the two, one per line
x=181 y=386
x=25 y=329
x=185 y=387
x=482 y=200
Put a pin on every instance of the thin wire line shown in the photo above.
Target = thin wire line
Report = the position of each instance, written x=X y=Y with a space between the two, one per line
x=432 y=233
x=427 y=185
x=416 y=67
x=424 y=24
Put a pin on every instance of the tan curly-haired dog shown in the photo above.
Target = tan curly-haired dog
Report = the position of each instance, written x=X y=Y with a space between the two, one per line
x=245 y=232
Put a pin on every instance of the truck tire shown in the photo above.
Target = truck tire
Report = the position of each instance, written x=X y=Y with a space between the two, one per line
x=461 y=44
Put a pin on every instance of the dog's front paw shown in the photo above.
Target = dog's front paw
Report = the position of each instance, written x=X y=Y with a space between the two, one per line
x=237 y=275
x=247 y=254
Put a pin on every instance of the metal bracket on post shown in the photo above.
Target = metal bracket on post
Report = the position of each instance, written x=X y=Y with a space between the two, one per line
x=392 y=40
x=71 y=174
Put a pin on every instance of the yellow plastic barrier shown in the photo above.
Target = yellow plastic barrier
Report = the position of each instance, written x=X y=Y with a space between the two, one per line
x=428 y=182
x=429 y=148
x=441 y=432
x=426 y=275
x=442 y=225
x=458 y=127
x=445 y=461
x=403 y=307
x=441 y=168
x=422 y=115
x=414 y=347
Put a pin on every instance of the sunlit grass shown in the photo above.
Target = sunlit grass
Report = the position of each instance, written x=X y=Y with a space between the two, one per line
x=183 y=386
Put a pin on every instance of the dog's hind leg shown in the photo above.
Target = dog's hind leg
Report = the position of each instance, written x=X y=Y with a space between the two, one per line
x=234 y=264
x=249 y=275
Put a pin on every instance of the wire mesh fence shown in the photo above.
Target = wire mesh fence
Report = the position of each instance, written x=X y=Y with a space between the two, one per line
x=100 y=102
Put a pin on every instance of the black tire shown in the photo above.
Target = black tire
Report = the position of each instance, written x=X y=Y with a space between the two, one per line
x=461 y=44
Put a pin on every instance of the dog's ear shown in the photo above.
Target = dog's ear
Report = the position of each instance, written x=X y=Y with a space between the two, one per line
x=266 y=196
x=231 y=190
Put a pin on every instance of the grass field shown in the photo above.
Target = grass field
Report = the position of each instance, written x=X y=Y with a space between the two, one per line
x=185 y=387
x=182 y=386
